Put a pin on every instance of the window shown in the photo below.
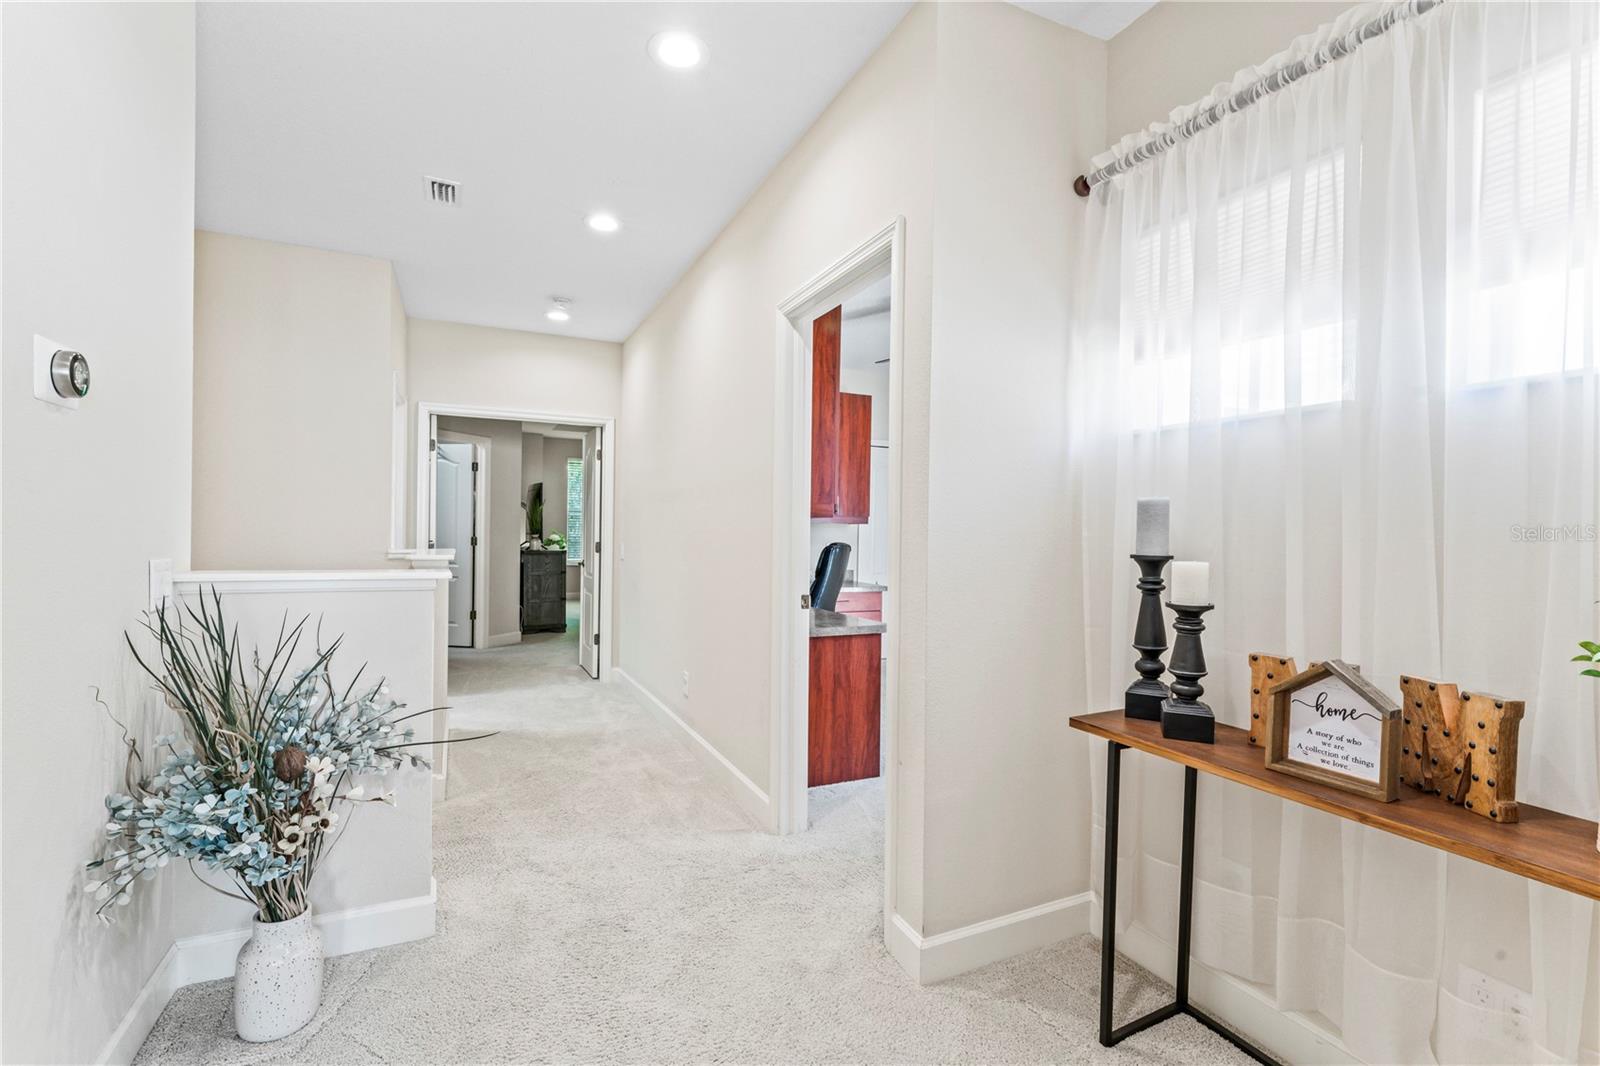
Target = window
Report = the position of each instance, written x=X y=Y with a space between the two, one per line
x=574 y=510
x=1525 y=285
x=1260 y=364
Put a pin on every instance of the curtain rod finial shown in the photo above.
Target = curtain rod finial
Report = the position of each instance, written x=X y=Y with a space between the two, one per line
x=1080 y=185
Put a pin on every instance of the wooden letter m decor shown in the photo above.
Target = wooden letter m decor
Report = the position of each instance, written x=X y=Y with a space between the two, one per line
x=1461 y=745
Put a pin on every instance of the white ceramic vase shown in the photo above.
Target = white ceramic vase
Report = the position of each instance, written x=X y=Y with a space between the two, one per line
x=277 y=985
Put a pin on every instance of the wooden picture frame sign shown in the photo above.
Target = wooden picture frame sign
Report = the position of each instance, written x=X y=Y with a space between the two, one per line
x=1330 y=725
x=1461 y=745
x=1266 y=670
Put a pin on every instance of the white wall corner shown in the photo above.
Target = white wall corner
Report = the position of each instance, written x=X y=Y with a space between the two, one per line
x=211 y=956
x=751 y=799
x=936 y=958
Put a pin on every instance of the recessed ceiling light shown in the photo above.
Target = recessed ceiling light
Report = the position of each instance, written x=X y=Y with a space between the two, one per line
x=678 y=50
x=558 y=313
x=604 y=222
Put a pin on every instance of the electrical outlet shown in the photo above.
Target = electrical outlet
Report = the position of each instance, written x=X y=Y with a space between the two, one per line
x=160 y=582
x=1513 y=1006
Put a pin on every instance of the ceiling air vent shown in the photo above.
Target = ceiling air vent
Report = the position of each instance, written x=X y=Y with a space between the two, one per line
x=441 y=191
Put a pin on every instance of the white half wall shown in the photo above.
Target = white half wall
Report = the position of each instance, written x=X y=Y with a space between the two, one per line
x=377 y=887
x=98 y=255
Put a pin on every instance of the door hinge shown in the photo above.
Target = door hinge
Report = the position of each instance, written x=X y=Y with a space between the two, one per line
x=474 y=542
x=474 y=468
x=433 y=445
x=805 y=601
x=430 y=543
x=472 y=616
x=597 y=547
x=597 y=455
x=597 y=640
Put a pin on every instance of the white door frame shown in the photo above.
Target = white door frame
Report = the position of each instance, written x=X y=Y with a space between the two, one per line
x=480 y=529
x=791 y=480
x=427 y=411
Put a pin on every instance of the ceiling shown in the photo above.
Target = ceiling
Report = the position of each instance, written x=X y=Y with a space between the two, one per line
x=319 y=124
x=1098 y=18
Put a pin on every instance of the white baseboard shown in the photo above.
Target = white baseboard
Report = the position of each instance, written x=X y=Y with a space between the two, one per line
x=126 y=1039
x=944 y=955
x=750 y=798
x=1289 y=1036
x=500 y=640
x=211 y=956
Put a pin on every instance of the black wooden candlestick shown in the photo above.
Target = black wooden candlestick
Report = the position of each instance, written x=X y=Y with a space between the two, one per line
x=1145 y=696
x=1183 y=716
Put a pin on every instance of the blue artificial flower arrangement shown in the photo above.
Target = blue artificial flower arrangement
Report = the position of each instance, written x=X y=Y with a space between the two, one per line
x=266 y=757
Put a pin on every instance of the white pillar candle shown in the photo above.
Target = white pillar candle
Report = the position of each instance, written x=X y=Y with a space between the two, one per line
x=1191 y=584
x=1151 y=531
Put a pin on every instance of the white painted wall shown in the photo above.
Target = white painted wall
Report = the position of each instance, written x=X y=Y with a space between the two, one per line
x=98 y=220
x=989 y=823
x=1006 y=825
x=501 y=547
x=386 y=853
x=874 y=383
x=1176 y=52
x=478 y=366
x=698 y=388
x=295 y=354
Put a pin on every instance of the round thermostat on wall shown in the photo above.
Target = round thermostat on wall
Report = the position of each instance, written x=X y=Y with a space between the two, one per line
x=69 y=373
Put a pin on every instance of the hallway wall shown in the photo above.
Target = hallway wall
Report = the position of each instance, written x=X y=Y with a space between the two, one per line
x=988 y=823
x=98 y=217
x=295 y=354
x=695 y=493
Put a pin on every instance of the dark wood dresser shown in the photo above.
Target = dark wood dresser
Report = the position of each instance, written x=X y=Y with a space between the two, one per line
x=544 y=591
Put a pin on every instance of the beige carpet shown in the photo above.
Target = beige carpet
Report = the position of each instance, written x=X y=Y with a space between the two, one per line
x=602 y=900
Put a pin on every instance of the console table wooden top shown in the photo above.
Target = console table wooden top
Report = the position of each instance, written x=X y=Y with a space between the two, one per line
x=1543 y=845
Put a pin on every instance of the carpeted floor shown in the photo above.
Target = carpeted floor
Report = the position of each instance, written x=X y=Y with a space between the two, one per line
x=602 y=900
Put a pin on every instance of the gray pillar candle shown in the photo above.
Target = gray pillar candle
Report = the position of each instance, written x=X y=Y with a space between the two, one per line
x=1151 y=532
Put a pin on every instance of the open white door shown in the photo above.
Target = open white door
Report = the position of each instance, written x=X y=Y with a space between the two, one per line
x=589 y=579
x=454 y=518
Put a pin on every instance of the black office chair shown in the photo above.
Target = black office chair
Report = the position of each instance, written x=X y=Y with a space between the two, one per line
x=830 y=575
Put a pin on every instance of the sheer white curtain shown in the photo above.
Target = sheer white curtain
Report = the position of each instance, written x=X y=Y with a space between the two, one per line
x=1351 y=332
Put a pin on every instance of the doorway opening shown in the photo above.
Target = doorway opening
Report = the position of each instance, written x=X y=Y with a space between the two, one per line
x=536 y=556
x=837 y=533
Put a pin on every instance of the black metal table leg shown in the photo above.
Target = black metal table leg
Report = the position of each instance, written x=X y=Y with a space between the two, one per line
x=1110 y=1034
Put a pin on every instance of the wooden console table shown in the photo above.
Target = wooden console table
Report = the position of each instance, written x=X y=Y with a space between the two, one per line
x=1542 y=845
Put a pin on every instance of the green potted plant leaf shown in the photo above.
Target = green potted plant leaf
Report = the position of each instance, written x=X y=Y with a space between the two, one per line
x=1590 y=657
